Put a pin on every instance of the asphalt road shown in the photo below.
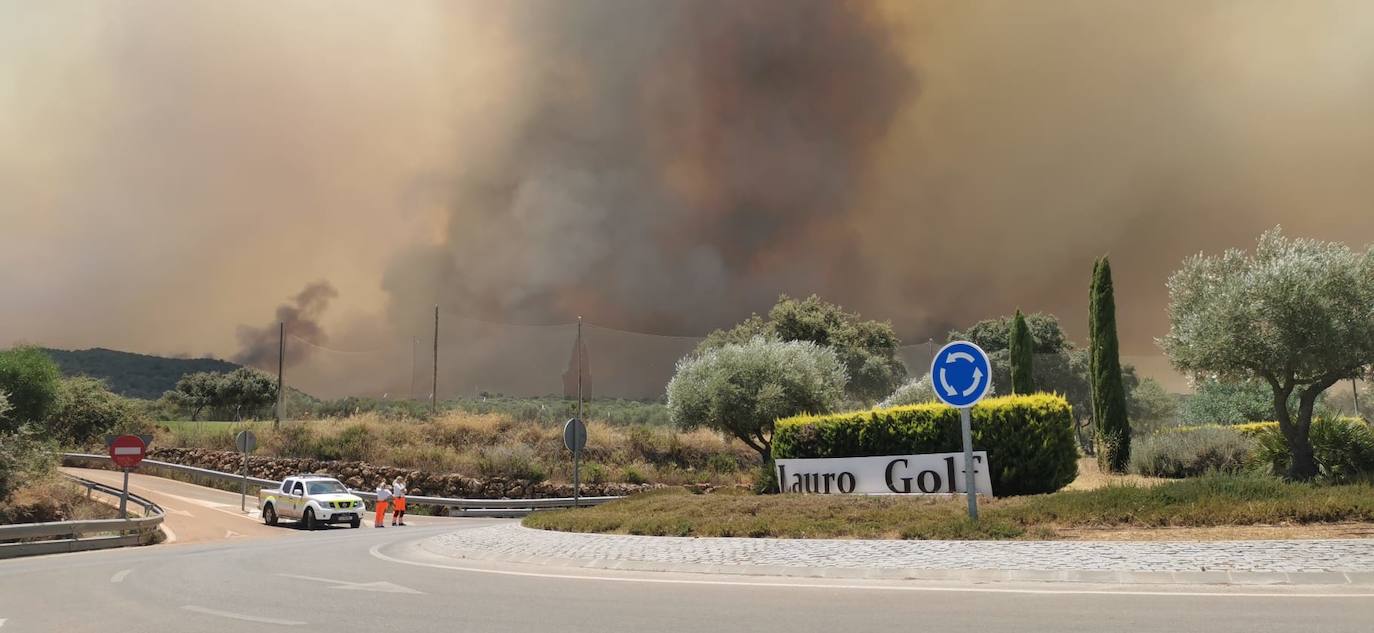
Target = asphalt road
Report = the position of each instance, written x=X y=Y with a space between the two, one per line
x=342 y=579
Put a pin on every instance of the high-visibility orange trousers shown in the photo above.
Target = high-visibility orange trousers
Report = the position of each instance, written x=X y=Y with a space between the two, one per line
x=381 y=512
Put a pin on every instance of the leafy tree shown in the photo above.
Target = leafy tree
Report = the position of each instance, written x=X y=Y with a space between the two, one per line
x=1109 y=393
x=31 y=380
x=195 y=392
x=1295 y=314
x=1059 y=366
x=867 y=349
x=1151 y=402
x=743 y=389
x=1216 y=401
x=1022 y=352
x=993 y=334
x=87 y=409
x=246 y=391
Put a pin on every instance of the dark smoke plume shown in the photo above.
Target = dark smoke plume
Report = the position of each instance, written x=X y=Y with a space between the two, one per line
x=301 y=317
x=678 y=160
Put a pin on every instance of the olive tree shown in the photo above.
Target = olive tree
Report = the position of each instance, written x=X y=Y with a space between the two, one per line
x=1297 y=314
x=741 y=389
x=867 y=349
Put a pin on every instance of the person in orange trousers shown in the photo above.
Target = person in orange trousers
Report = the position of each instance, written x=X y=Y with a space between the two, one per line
x=383 y=499
x=398 y=502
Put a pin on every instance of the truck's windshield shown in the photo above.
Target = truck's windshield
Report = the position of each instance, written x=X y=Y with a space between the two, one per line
x=325 y=487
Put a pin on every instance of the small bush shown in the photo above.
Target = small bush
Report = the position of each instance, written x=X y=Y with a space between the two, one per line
x=631 y=475
x=1177 y=455
x=25 y=456
x=31 y=381
x=917 y=391
x=1343 y=448
x=1029 y=439
x=510 y=462
x=356 y=442
x=86 y=410
x=594 y=473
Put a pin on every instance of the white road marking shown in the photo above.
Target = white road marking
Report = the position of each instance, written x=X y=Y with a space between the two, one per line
x=171 y=536
x=380 y=586
x=231 y=534
x=252 y=515
x=2 y=622
x=240 y=616
x=375 y=551
x=120 y=575
x=180 y=513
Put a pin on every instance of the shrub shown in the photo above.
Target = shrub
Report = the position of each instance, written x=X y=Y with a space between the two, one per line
x=511 y=462
x=1343 y=448
x=917 y=391
x=1189 y=454
x=594 y=473
x=631 y=475
x=1029 y=439
x=32 y=381
x=24 y=458
x=87 y=410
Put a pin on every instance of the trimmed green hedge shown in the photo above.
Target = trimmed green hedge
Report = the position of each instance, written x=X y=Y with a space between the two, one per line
x=1029 y=439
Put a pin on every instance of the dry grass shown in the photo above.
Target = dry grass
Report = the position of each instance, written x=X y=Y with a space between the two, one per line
x=473 y=444
x=1091 y=477
x=53 y=499
x=1211 y=506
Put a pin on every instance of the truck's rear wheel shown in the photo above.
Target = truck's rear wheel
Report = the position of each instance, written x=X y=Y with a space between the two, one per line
x=309 y=519
x=269 y=515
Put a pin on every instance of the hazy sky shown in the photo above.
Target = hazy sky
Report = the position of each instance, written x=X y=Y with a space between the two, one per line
x=173 y=170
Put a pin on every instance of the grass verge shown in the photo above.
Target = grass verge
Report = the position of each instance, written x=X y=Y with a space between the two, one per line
x=1208 y=501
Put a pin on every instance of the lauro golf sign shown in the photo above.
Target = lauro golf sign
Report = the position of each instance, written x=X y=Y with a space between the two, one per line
x=961 y=375
x=938 y=473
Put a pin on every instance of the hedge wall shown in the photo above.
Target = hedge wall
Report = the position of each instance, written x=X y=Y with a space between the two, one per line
x=1029 y=439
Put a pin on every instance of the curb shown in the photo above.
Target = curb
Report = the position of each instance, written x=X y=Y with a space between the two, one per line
x=1218 y=577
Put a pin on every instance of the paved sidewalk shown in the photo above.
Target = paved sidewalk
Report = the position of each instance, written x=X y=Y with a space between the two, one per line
x=1339 y=562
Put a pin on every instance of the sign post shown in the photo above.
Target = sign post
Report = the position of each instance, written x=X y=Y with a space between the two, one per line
x=245 y=441
x=126 y=451
x=575 y=438
x=961 y=375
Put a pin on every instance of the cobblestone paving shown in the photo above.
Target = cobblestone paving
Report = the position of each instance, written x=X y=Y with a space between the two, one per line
x=511 y=541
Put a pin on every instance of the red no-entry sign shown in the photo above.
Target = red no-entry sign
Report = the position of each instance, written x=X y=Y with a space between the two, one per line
x=126 y=451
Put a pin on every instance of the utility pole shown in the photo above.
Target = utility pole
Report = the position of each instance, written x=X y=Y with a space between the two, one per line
x=434 y=395
x=1355 y=389
x=579 y=368
x=577 y=454
x=281 y=362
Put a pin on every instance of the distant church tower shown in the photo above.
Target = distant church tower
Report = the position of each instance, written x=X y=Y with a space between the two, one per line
x=570 y=376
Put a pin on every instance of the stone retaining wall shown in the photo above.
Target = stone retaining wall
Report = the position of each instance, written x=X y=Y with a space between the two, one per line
x=365 y=476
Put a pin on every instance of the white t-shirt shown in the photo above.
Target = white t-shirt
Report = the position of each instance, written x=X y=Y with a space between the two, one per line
x=383 y=493
x=399 y=490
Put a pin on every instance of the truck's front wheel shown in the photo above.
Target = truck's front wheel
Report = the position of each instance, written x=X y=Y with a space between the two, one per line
x=309 y=519
x=269 y=514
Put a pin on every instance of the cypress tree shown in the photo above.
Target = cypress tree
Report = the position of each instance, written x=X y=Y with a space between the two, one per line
x=1109 y=394
x=1022 y=355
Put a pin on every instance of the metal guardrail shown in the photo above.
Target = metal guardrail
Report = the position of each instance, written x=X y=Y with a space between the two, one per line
x=463 y=507
x=67 y=536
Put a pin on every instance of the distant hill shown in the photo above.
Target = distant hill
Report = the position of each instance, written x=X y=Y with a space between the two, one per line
x=133 y=375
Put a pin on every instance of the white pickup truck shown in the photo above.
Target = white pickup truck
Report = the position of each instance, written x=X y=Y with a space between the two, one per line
x=311 y=500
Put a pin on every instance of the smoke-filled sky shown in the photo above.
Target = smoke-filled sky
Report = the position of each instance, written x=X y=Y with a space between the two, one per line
x=174 y=174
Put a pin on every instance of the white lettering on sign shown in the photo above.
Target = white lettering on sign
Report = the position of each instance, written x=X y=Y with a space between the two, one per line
x=935 y=473
x=128 y=450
